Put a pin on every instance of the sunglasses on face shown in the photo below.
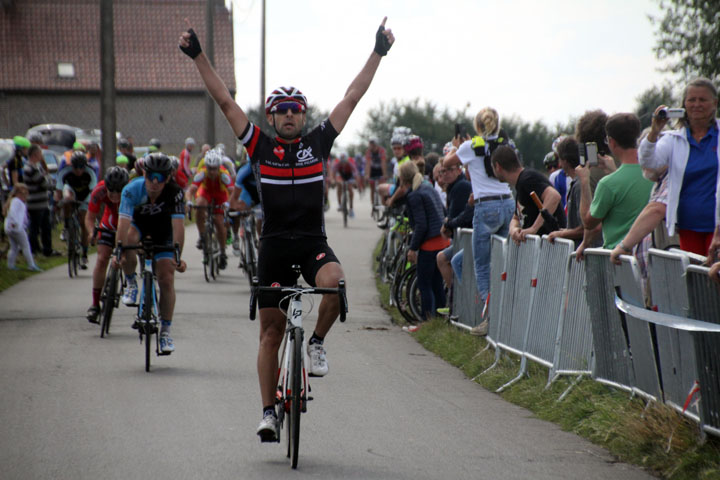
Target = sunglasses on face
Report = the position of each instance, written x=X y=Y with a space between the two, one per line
x=159 y=176
x=282 y=108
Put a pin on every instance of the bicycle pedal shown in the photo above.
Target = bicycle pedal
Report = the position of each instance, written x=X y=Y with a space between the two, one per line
x=164 y=354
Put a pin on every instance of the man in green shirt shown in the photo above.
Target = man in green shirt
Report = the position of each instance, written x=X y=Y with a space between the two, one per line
x=619 y=197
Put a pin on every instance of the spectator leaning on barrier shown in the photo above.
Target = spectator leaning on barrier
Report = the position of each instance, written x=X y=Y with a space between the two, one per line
x=426 y=213
x=508 y=169
x=38 y=183
x=460 y=215
x=620 y=196
x=568 y=159
x=692 y=158
x=493 y=202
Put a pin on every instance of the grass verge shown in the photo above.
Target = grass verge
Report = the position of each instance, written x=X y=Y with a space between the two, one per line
x=653 y=436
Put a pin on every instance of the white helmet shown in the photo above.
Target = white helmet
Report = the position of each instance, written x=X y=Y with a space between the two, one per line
x=213 y=158
x=189 y=141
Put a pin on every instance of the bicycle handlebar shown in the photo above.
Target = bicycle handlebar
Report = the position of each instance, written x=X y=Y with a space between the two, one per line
x=298 y=290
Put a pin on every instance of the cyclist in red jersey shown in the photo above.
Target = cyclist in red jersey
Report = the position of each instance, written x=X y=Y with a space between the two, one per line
x=289 y=168
x=106 y=194
x=186 y=158
x=212 y=182
x=345 y=172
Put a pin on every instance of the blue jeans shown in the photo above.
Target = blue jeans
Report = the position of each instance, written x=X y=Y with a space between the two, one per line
x=491 y=217
x=430 y=283
x=456 y=262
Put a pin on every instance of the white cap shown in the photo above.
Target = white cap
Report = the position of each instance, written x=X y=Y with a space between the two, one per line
x=189 y=141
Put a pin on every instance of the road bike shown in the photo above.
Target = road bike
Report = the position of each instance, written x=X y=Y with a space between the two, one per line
x=72 y=238
x=111 y=291
x=293 y=387
x=344 y=203
x=146 y=319
x=210 y=243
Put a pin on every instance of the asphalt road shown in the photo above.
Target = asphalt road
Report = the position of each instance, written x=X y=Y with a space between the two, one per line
x=75 y=406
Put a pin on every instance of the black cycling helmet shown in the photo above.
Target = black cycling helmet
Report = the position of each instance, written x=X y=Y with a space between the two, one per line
x=116 y=178
x=78 y=160
x=550 y=160
x=158 y=162
x=155 y=143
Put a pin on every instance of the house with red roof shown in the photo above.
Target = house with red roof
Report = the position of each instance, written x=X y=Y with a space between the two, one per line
x=50 y=68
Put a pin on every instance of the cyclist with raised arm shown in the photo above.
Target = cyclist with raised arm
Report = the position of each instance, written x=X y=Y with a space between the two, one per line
x=152 y=206
x=289 y=169
x=212 y=182
x=105 y=194
x=74 y=183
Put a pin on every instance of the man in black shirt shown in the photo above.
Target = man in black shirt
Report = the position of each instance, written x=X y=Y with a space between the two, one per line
x=507 y=168
x=290 y=181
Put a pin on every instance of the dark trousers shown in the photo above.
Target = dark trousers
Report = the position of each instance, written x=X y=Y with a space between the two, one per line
x=430 y=282
x=40 y=224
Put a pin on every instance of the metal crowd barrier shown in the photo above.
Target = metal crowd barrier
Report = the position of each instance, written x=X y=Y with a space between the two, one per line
x=676 y=349
x=465 y=296
x=590 y=317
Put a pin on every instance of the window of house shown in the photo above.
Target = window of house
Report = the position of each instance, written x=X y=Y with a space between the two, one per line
x=66 y=70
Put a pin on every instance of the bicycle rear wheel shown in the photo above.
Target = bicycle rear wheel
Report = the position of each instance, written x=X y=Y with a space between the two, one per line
x=107 y=300
x=296 y=396
x=345 y=205
x=70 y=241
x=207 y=256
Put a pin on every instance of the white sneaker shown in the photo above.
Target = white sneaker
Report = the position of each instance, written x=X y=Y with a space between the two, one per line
x=268 y=429
x=318 y=362
x=481 y=329
x=166 y=343
x=130 y=294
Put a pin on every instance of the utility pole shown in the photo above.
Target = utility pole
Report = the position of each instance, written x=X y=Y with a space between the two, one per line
x=210 y=52
x=107 y=86
x=262 y=59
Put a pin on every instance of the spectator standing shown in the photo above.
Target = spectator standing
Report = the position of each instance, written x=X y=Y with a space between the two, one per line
x=426 y=213
x=691 y=155
x=38 y=183
x=508 y=169
x=15 y=165
x=15 y=212
x=493 y=202
x=94 y=157
x=569 y=159
x=621 y=196
x=125 y=149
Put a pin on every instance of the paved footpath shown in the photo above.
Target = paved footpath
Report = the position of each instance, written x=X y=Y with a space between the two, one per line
x=75 y=406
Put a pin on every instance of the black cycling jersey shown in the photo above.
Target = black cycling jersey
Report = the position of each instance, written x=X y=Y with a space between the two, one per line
x=82 y=184
x=153 y=218
x=291 y=180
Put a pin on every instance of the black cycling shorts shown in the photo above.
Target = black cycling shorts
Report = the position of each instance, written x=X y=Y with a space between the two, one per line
x=276 y=258
x=376 y=173
x=106 y=238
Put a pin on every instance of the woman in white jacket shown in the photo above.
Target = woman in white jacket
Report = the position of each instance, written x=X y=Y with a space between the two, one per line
x=15 y=212
x=691 y=155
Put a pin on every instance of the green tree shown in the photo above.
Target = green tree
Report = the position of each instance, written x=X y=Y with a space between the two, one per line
x=650 y=99
x=689 y=33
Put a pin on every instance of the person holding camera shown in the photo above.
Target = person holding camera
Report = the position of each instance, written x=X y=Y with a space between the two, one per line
x=620 y=196
x=691 y=155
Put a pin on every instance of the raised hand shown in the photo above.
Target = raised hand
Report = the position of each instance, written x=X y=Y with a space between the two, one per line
x=189 y=43
x=383 y=39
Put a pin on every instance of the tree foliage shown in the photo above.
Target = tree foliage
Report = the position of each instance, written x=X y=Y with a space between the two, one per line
x=650 y=99
x=689 y=33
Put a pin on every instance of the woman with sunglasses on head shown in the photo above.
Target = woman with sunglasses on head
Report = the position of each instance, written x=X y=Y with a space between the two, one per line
x=152 y=206
x=105 y=194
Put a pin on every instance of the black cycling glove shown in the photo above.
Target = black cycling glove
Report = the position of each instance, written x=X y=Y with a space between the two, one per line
x=194 y=49
x=382 y=45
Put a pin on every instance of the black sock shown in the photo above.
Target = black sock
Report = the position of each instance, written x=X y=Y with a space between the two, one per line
x=316 y=339
x=269 y=411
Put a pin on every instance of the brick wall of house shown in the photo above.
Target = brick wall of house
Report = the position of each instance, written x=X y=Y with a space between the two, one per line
x=169 y=117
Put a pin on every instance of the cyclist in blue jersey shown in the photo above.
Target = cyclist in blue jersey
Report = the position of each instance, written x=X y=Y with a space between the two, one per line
x=290 y=171
x=152 y=206
x=244 y=197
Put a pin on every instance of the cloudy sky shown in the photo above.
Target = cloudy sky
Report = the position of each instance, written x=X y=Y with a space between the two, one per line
x=538 y=60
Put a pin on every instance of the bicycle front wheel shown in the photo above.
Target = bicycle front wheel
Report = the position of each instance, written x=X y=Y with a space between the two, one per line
x=296 y=397
x=70 y=241
x=107 y=300
x=147 y=316
x=207 y=256
x=345 y=205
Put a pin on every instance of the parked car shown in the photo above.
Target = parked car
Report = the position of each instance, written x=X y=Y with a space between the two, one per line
x=58 y=137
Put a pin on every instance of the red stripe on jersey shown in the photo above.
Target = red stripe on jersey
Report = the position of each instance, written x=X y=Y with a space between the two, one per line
x=288 y=172
x=253 y=141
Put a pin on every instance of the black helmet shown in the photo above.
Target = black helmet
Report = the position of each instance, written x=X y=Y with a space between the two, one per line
x=155 y=143
x=78 y=160
x=116 y=178
x=158 y=162
x=550 y=160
